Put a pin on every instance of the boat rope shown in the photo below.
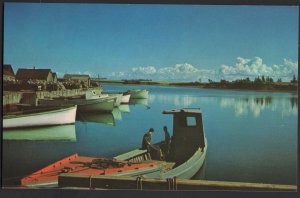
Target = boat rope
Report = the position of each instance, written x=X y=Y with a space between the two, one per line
x=139 y=183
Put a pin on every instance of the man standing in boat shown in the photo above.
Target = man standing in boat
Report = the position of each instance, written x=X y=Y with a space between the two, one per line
x=154 y=151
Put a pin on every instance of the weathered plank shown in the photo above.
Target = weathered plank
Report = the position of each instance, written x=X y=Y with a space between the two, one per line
x=122 y=182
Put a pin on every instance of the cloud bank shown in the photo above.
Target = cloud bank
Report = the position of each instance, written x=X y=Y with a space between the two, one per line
x=187 y=72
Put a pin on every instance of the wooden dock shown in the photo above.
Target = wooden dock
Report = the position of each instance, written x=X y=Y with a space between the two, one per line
x=139 y=183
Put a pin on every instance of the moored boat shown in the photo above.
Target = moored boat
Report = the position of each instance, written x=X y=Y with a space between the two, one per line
x=91 y=102
x=138 y=93
x=118 y=97
x=40 y=117
x=187 y=150
x=86 y=165
x=125 y=98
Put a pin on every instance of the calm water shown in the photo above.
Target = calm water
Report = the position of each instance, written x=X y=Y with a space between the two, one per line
x=252 y=136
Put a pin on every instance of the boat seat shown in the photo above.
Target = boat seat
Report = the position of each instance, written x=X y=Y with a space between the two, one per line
x=131 y=154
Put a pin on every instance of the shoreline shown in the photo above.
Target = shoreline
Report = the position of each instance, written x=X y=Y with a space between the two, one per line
x=284 y=87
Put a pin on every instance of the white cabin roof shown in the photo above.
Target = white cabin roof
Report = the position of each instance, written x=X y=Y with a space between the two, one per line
x=184 y=110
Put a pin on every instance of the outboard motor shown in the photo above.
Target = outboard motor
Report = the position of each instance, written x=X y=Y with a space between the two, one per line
x=188 y=134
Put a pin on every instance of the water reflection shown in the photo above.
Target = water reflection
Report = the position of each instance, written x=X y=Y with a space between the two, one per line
x=96 y=117
x=124 y=108
x=134 y=101
x=256 y=105
x=58 y=133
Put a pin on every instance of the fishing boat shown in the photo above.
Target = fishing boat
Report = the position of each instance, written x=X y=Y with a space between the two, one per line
x=185 y=157
x=187 y=150
x=40 y=117
x=91 y=101
x=86 y=165
x=44 y=133
x=138 y=93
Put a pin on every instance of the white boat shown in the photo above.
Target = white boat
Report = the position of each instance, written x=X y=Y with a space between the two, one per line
x=125 y=98
x=138 y=93
x=118 y=96
x=40 y=117
x=91 y=102
x=188 y=148
x=45 y=133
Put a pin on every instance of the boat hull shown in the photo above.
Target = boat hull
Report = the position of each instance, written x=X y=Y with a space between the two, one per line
x=138 y=94
x=125 y=98
x=47 y=118
x=93 y=105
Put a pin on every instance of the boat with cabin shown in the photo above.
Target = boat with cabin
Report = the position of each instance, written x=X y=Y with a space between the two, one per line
x=182 y=159
x=91 y=101
x=40 y=116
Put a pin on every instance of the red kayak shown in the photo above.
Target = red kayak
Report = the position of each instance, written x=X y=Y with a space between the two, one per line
x=84 y=166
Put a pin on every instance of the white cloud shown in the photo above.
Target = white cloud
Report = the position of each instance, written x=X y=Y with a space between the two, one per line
x=243 y=68
x=255 y=67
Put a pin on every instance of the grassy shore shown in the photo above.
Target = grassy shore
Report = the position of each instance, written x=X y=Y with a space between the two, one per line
x=274 y=86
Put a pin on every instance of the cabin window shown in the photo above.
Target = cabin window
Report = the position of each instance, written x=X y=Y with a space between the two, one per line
x=191 y=121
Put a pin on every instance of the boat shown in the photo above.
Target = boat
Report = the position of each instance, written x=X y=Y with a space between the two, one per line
x=45 y=133
x=125 y=97
x=187 y=150
x=86 y=165
x=138 y=93
x=187 y=154
x=96 y=117
x=93 y=102
x=118 y=97
x=40 y=117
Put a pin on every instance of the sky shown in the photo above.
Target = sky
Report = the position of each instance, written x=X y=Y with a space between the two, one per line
x=158 y=42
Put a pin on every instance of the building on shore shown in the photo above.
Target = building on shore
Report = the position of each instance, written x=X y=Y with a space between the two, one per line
x=80 y=78
x=8 y=73
x=41 y=75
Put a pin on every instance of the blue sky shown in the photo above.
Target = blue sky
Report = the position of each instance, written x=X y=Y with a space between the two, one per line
x=160 y=42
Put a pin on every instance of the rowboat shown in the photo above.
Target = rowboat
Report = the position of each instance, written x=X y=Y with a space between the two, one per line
x=187 y=150
x=138 y=93
x=40 y=117
x=185 y=157
x=125 y=98
x=48 y=133
x=91 y=102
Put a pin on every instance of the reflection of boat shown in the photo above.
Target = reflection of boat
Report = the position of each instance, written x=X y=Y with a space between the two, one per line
x=187 y=150
x=139 y=102
x=83 y=165
x=96 y=117
x=91 y=102
x=117 y=114
x=61 y=133
x=138 y=93
x=124 y=108
x=40 y=117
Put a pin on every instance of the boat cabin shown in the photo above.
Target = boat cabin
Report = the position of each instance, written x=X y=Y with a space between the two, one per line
x=188 y=133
